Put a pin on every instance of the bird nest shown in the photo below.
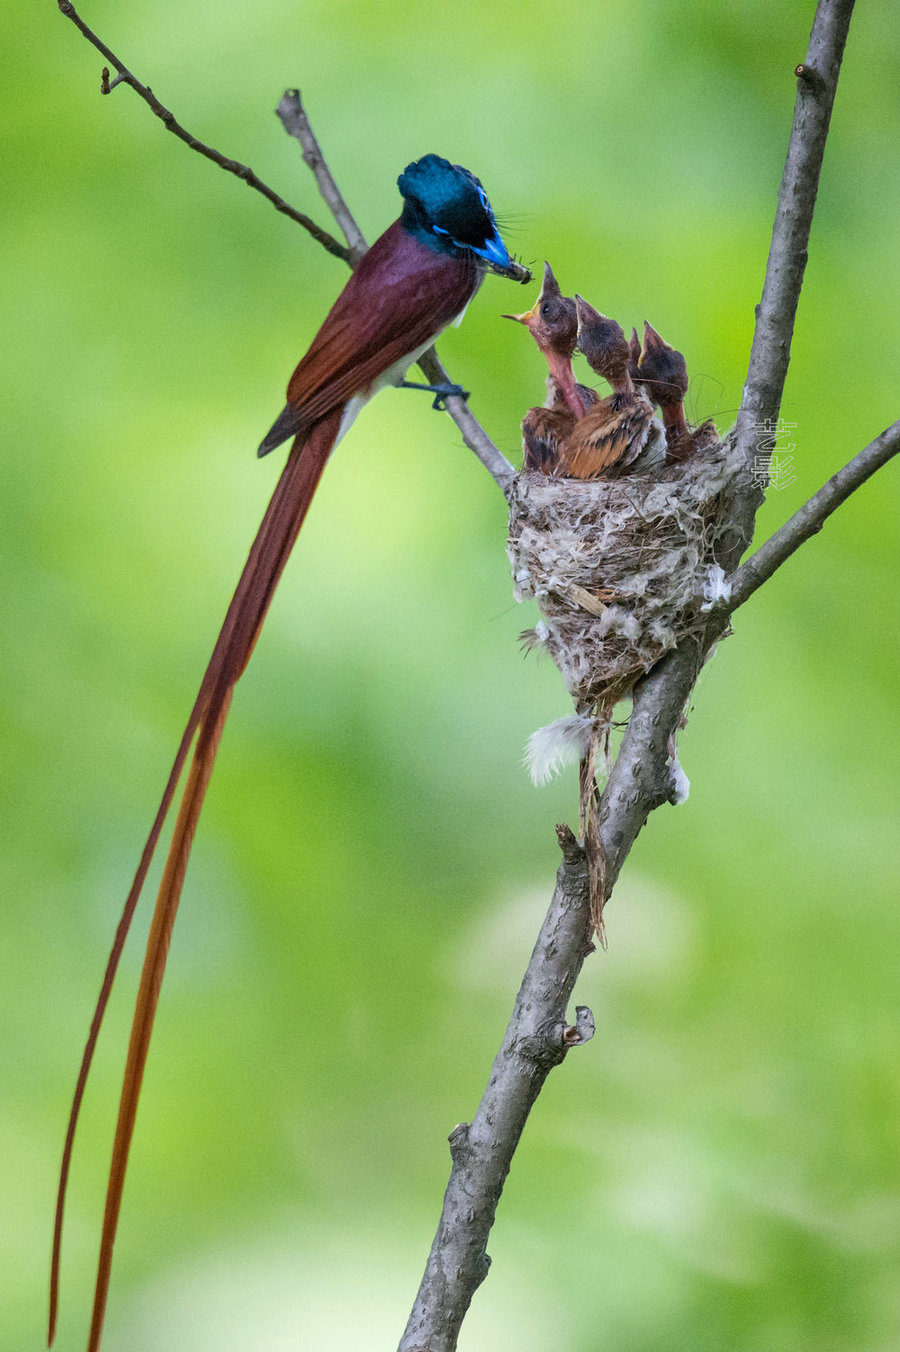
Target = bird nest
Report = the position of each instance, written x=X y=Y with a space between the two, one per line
x=622 y=570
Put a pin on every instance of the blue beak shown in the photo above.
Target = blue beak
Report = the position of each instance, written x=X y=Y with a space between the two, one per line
x=496 y=254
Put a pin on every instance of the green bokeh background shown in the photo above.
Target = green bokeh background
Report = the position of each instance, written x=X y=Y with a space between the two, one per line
x=721 y=1166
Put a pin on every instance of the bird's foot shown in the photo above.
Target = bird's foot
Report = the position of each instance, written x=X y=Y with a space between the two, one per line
x=440 y=392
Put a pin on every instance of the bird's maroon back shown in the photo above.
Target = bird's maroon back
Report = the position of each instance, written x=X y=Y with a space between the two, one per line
x=401 y=296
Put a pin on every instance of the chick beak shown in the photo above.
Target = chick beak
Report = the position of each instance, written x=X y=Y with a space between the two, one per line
x=586 y=313
x=550 y=286
x=529 y=317
x=653 y=342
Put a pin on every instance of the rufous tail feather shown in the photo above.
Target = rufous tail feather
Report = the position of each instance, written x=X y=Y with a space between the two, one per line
x=148 y=998
x=237 y=637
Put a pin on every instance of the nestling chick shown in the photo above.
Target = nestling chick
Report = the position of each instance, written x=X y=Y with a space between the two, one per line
x=553 y=324
x=620 y=434
x=663 y=373
x=603 y=343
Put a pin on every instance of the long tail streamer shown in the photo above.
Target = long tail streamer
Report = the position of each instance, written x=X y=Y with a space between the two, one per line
x=265 y=564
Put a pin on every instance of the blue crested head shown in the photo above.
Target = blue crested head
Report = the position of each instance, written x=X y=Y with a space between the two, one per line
x=447 y=208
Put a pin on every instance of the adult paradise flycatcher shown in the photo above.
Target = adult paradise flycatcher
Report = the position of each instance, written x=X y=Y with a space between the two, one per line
x=414 y=281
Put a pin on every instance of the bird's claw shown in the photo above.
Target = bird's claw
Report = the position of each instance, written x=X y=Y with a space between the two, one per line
x=445 y=392
x=441 y=392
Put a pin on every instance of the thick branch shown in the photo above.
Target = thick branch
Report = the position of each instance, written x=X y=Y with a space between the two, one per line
x=536 y=1040
x=638 y=780
x=812 y=516
x=817 y=81
x=124 y=76
x=770 y=353
x=538 y=1036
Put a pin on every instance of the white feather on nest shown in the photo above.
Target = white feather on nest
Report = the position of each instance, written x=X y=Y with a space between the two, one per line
x=563 y=742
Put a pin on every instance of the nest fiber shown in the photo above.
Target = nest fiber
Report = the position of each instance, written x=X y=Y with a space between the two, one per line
x=621 y=569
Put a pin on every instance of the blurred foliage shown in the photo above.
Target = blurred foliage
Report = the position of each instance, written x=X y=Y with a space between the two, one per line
x=721 y=1167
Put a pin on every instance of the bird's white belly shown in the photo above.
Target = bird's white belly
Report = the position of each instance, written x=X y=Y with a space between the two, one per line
x=392 y=376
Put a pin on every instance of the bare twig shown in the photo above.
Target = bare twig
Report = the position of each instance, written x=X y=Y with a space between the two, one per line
x=536 y=1040
x=811 y=517
x=296 y=123
x=473 y=434
x=240 y=171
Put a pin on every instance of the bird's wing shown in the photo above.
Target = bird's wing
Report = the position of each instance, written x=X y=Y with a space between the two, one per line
x=543 y=431
x=400 y=297
x=606 y=442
